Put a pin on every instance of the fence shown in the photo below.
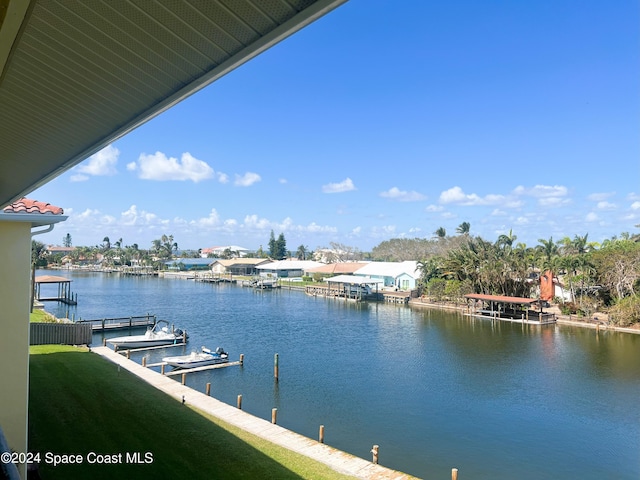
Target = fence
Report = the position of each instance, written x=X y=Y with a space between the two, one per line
x=60 y=334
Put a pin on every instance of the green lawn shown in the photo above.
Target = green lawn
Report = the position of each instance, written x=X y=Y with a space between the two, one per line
x=81 y=404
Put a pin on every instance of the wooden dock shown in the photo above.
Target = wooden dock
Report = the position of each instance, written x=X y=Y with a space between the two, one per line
x=179 y=371
x=338 y=460
x=121 y=323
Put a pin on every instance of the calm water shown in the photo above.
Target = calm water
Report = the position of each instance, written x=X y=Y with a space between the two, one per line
x=435 y=390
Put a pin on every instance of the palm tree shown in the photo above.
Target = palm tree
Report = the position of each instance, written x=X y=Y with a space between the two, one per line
x=549 y=250
x=302 y=252
x=441 y=233
x=463 y=228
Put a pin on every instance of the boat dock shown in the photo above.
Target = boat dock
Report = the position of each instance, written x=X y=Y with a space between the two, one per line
x=340 y=461
x=121 y=323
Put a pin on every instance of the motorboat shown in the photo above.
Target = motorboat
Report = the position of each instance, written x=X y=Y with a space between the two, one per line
x=198 y=359
x=158 y=335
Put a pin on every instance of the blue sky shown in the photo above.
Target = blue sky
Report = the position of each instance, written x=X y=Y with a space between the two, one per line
x=388 y=119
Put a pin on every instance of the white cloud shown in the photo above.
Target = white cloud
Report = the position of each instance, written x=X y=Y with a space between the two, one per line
x=434 y=208
x=635 y=205
x=602 y=205
x=498 y=213
x=247 y=179
x=542 y=191
x=79 y=178
x=102 y=163
x=591 y=217
x=521 y=221
x=457 y=196
x=134 y=217
x=601 y=196
x=553 y=201
x=160 y=167
x=402 y=195
x=210 y=221
x=345 y=186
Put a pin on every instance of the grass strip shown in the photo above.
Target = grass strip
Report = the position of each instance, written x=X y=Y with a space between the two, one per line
x=81 y=404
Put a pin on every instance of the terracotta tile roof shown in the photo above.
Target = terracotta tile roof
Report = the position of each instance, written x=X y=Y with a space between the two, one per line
x=25 y=205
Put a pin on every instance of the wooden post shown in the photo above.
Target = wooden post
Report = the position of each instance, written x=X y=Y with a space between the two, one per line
x=207 y=390
x=184 y=378
x=144 y=361
x=374 y=451
x=162 y=369
x=128 y=354
x=454 y=474
x=239 y=402
x=241 y=359
x=104 y=342
x=275 y=367
x=321 y=434
x=274 y=415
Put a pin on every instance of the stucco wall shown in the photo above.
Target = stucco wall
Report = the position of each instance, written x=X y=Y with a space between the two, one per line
x=15 y=254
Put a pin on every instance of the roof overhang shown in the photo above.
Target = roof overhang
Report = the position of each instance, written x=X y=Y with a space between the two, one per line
x=502 y=299
x=75 y=76
x=35 y=219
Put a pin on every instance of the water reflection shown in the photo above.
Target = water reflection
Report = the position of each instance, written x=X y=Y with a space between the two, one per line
x=434 y=389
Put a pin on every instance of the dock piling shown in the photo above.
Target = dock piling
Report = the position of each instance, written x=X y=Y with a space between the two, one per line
x=144 y=361
x=207 y=390
x=162 y=369
x=274 y=416
x=239 y=403
x=454 y=474
x=241 y=359
x=321 y=434
x=184 y=378
x=275 y=367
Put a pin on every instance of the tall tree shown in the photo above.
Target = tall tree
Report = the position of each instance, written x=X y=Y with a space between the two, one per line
x=464 y=228
x=66 y=241
x=440 y=233
x=302 y=252
x=281 y=247
x=273 y=246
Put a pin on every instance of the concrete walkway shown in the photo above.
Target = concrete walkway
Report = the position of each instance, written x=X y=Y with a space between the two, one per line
x=336 y=459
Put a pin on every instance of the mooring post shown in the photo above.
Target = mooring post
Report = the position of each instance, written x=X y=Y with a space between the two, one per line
x=144 y=361
x=321 y=434
x=275 y=367
x=104 y=342
x=374 y=451
x=184 y=378
x=239 y=402
x=454 y=474
x=128 y=354
x=274 y=415
x=241 y=359
x=207 y=389
x=162 y=369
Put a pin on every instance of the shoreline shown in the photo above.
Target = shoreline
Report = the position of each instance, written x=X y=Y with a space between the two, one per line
x=560 y=319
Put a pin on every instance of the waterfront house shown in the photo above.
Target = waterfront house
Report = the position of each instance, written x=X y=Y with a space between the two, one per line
x=222 y=252
x=394 y=275
x=48 y=55
x=286 y=268
x=237 y=266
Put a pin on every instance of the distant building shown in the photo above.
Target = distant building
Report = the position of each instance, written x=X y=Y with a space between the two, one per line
x=394 y=275
x=237 y=266
x=215 y=252
x=286 y=268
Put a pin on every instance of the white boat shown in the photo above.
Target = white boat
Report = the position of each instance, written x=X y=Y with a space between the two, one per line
x=158 y=335
x=198 y=359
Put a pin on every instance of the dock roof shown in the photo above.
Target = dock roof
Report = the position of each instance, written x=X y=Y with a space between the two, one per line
x=502 y=299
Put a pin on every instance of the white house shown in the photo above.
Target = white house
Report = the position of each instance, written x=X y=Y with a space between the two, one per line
x=286 y=268
x=395 y=275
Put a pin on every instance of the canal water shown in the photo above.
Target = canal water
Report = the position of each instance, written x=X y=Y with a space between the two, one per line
x=435 y=390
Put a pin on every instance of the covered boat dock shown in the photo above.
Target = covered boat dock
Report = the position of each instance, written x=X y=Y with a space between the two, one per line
x=512 y=309
x=63 y=295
